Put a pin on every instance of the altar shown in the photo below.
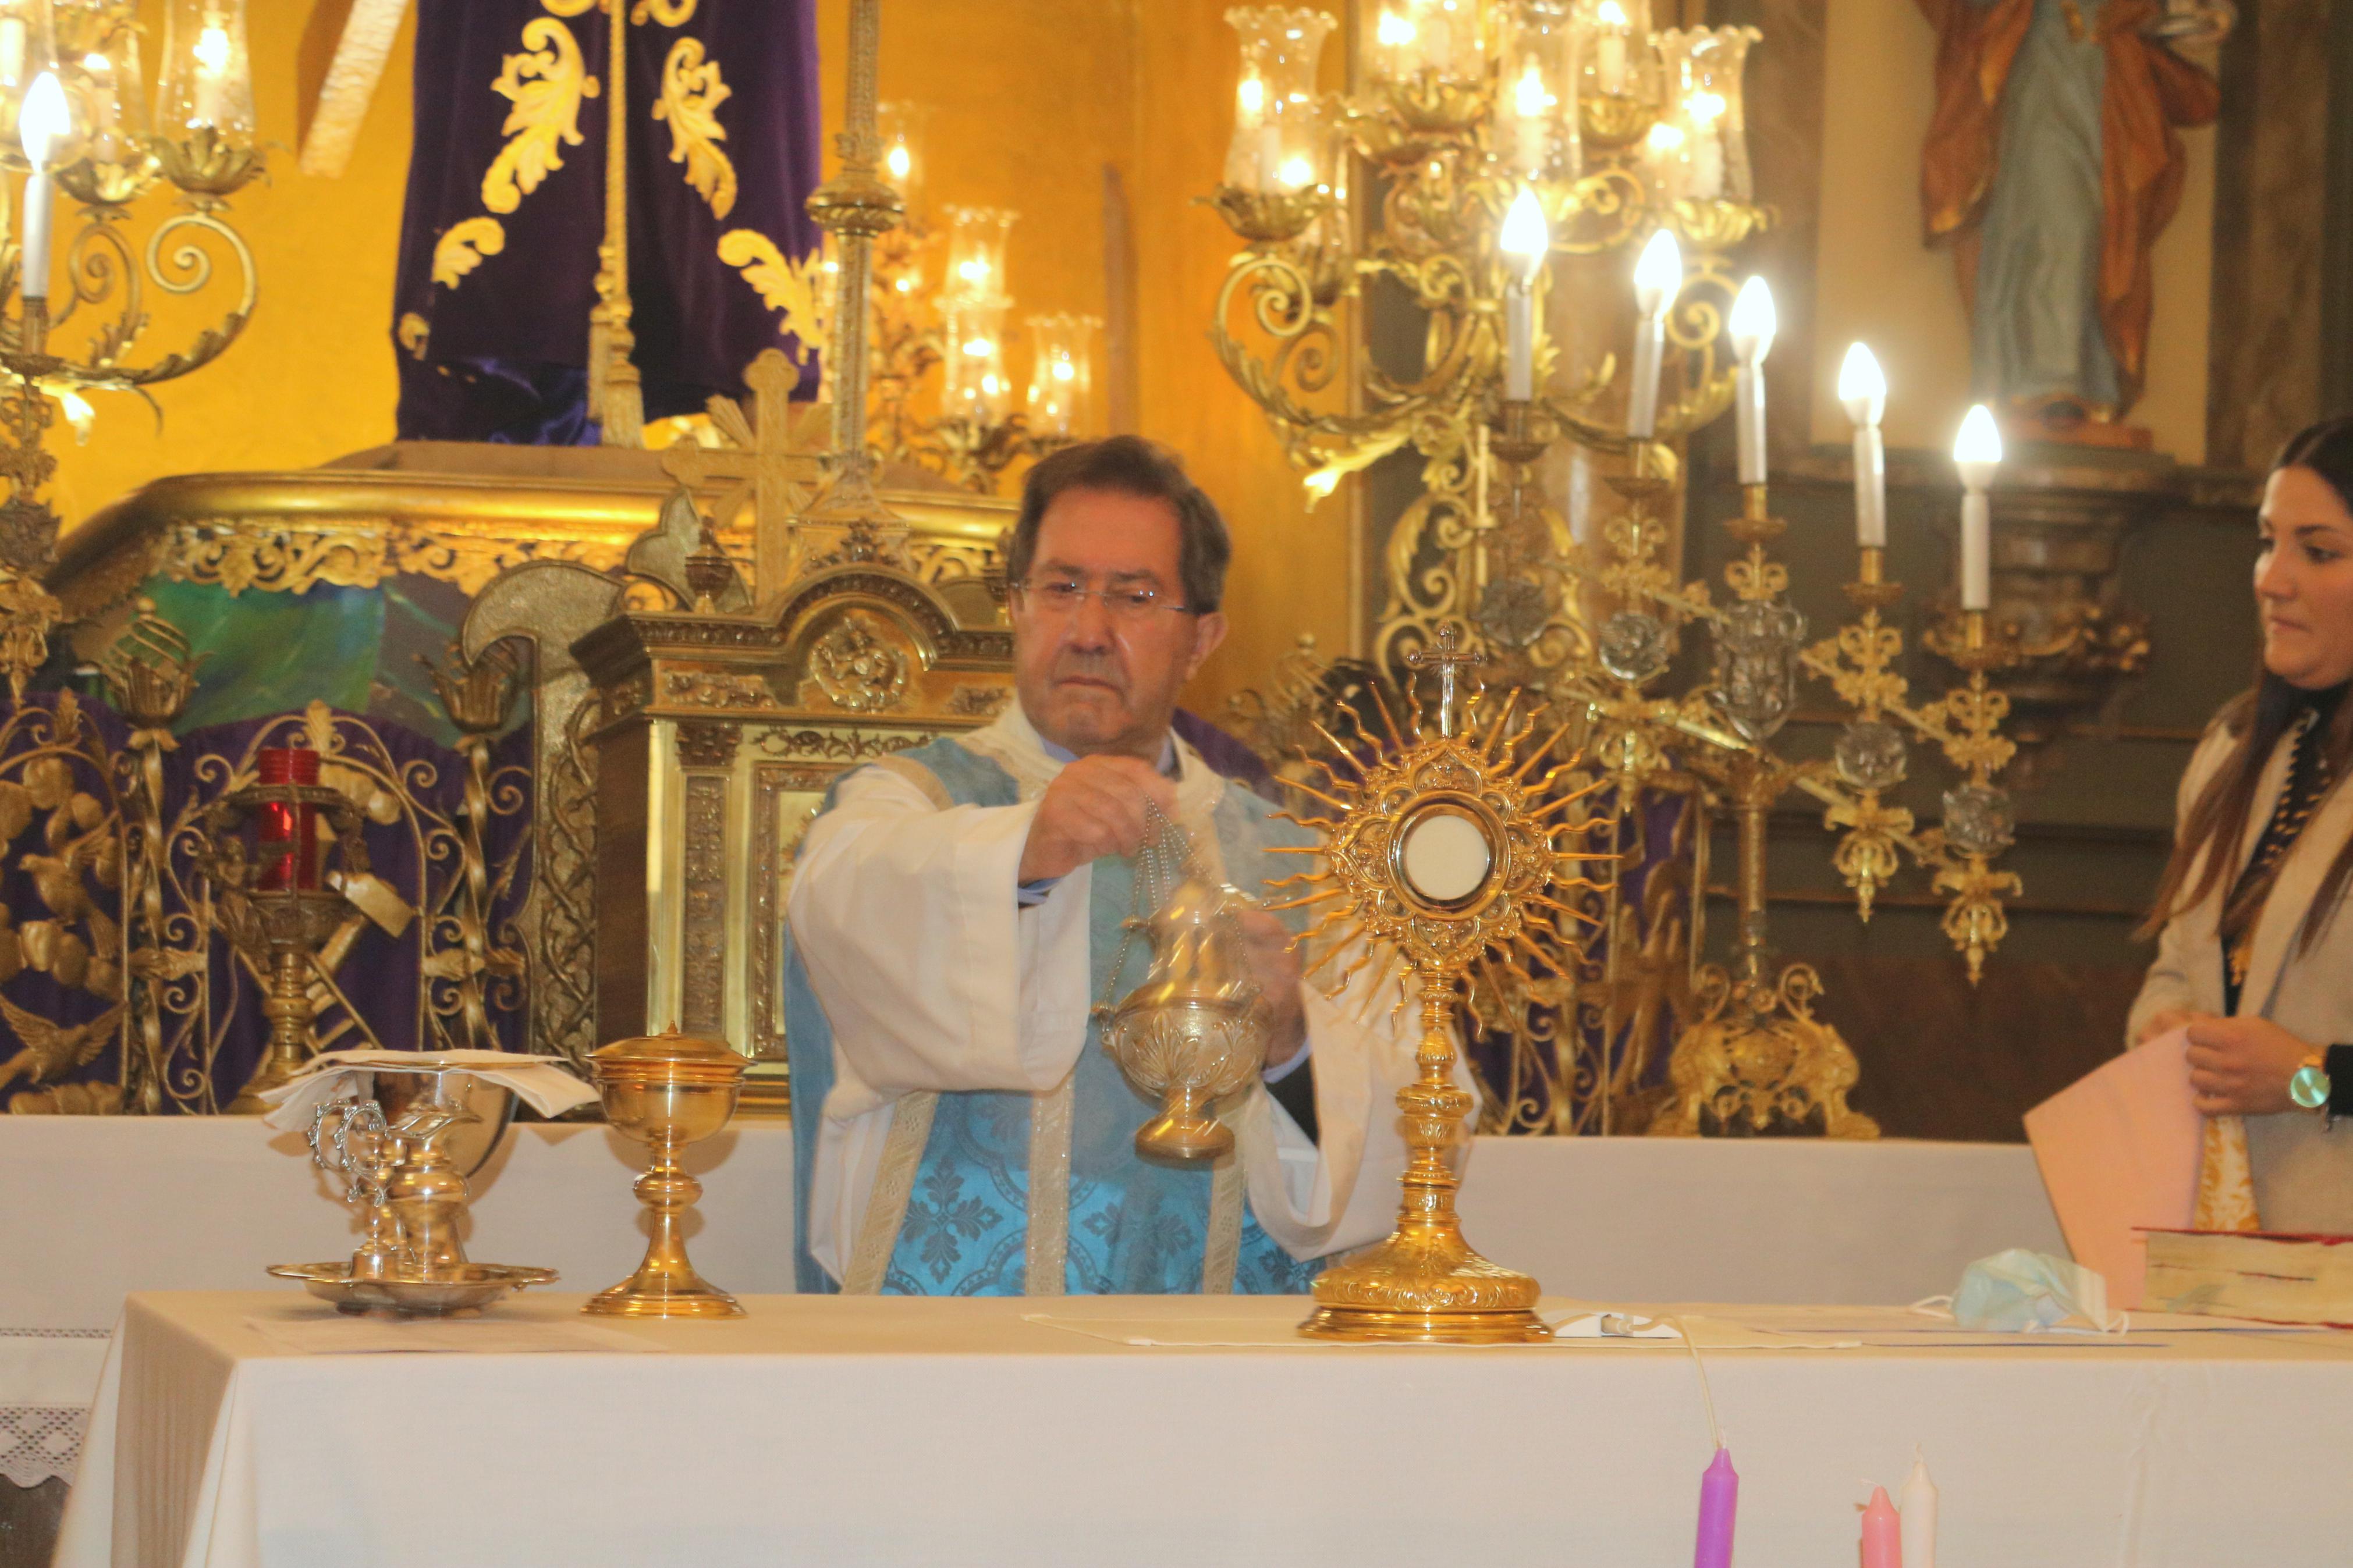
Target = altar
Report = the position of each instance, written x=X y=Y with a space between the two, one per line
x=112 y=1206
x=236 y=1429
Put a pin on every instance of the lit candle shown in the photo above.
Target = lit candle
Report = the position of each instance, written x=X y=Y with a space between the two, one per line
x=1864 y=390
x=1882 y=1540
x=1919 y=1516
x=1705 y=112
x=1977 y=453
x=41 y=122
x=1395 y=35
x=1658 y=277
x=12 y=50
x=1719 y=1501
x=1529 y=102
x=1525 y=239
x=212 y=52
x=1610 y=47
x=1437 y=34
x=1752 y=339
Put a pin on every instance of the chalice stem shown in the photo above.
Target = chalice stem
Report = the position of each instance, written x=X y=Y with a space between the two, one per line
x=666 y=1284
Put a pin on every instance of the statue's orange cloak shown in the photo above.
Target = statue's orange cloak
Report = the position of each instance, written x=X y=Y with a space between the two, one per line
x=2150 y=91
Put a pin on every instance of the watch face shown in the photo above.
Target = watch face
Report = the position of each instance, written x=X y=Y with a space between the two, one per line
x=2309 y=1087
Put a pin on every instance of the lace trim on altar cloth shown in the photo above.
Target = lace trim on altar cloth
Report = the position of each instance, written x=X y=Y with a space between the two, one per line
x=39 y=1441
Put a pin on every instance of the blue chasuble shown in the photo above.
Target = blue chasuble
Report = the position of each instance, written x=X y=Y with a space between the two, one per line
x=1134 y=1227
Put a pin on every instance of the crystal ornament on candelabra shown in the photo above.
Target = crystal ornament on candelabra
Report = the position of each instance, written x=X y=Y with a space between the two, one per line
x=1444 y=853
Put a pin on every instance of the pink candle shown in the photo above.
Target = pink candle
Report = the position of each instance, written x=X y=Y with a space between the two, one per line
x=1719 y=1499
x=1883 y=1532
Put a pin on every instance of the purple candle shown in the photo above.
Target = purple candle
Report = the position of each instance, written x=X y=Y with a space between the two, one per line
x=1719 y=1499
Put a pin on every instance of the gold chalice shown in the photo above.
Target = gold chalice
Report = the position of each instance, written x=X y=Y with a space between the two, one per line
x=667 y=1092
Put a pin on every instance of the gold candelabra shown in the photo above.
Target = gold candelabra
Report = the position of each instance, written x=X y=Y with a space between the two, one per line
x=1503 y=140
x=1603 y=132
x=74 y=118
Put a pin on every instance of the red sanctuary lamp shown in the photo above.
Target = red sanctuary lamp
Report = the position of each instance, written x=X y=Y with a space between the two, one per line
x=286 y=832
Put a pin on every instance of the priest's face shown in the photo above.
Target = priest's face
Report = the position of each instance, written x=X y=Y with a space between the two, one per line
x=2303 y=581
x=1101 y=644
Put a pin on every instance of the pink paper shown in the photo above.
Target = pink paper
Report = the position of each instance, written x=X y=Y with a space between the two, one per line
x=2120 y=1151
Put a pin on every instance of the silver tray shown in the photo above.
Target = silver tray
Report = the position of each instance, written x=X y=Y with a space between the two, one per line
x=467 y=1288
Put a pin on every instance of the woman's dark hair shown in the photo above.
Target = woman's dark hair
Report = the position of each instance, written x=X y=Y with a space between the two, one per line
x=1130 y=466
x=2205 y=850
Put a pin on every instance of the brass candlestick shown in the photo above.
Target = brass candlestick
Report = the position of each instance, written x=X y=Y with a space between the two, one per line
x=1445 y=854
x=667 y=1092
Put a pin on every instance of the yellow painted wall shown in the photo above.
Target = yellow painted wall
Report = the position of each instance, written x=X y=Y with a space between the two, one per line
x=1876 y=281
x=313 y=377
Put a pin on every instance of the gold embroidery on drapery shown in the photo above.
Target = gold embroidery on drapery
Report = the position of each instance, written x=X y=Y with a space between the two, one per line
x=546 y=84
x=460 y=249
x=691 y=96
x=574 y=7
x=669 y=13
x=414 y=329
x=793 y=288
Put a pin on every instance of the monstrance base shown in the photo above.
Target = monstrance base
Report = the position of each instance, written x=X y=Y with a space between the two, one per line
x=1426 y=1289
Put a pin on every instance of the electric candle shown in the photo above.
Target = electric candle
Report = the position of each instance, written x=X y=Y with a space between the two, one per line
x=1525 y=239
x=1706 y=113
x=1977 y=453
x=1529 y=102
x=212 y=52
x=1610 y=47
x=1658 y=277
x=1719 y=1502
x=1752 y=328
x=1919 y=1508
x=41 y=123
x=1863 y=390
x=1883 y=1540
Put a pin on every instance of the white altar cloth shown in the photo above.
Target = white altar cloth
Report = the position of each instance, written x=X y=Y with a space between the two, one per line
x=827 y=1430
x=100 y=1207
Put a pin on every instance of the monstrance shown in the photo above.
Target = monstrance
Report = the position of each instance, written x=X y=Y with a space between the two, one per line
x=1443 y=855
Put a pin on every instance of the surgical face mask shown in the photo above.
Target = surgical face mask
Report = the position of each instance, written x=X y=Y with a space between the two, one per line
x=2019 y=1290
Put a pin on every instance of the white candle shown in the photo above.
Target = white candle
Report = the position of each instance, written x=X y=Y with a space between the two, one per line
x=1752 y=328
x=1863 y=390
x=212 y=52
x=1610 y=47
x=12 y=50
x=1706 y=113
x=40 y=122
x=1523 y=242
x=1658 y=277
x=1918 y=1504
x=1529 y=102
x=1437 y=33
x=1977 y=453
x=1270 y=156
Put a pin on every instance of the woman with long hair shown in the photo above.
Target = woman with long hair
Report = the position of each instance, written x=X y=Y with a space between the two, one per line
x=2255 y=952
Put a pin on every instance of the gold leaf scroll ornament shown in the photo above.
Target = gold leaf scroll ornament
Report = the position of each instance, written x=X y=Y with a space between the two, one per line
x=546 y=84
x=691 y=94
x=791 y=288
x=460 y=249
x=669 y=13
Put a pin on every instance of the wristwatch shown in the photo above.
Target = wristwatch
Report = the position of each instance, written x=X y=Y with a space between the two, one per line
x=2310 y=1086
x=2324 y=1083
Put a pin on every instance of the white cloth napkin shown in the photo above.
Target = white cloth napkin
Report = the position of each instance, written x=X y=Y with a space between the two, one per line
x=547 y=1084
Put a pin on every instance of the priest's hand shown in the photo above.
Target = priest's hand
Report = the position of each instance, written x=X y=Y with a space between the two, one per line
x=2239 y=1067
x=1094 y=807
x=1274 y=964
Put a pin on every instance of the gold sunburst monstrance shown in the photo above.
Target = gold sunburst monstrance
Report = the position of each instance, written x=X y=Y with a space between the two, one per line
x=1444 y=853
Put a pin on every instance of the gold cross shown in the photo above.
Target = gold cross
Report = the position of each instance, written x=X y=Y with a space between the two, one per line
x=766 y=464
x=1448 y=657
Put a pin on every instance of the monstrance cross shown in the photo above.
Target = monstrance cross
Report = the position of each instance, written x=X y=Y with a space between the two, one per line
x=767 y=465
x=1447 y=659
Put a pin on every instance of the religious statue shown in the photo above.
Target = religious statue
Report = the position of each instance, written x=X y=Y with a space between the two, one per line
x=2052 y=164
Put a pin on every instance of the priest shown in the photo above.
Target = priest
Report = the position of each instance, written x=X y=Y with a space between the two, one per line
x=956 y=911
